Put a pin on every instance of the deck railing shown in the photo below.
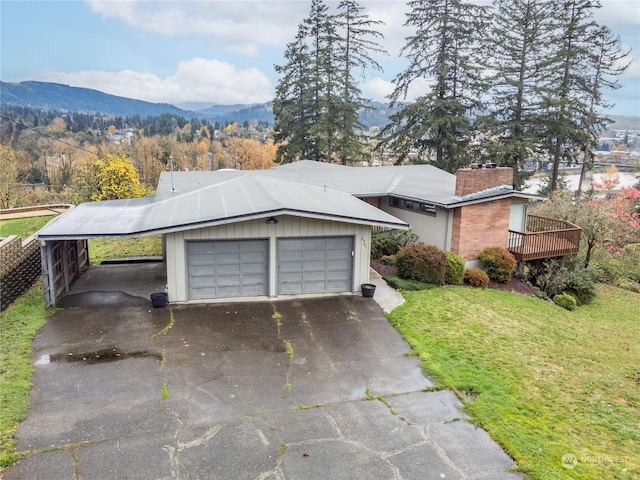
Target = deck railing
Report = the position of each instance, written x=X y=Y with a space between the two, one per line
x=544 y=238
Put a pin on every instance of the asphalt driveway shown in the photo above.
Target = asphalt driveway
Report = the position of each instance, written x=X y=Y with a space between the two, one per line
x=302 y=389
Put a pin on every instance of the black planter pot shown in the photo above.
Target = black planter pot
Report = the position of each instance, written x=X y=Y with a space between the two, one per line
x=368 y=289
x=159 y=300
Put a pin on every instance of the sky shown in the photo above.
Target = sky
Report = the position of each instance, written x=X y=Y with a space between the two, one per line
x=199 y=53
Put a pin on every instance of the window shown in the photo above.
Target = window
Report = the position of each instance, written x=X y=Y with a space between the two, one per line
x=424 y=208
x=428 y=209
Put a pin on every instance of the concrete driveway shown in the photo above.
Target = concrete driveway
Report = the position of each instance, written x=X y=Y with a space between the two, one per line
x=302 y=389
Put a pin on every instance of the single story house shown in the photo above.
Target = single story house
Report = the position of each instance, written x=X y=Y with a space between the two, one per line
x=296 y=229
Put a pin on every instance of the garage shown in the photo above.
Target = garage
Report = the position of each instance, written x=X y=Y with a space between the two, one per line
x=315 y=265
x=227 y=268
x=236 y=234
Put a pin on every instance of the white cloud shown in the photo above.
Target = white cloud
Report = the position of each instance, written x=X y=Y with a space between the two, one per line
x=377 y=89
x=196 y=80
x=619 y=15
x=240 y=26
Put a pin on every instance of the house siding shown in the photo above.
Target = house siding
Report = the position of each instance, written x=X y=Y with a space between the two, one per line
x=287 y=226
x=430 y=230
x=478 y=226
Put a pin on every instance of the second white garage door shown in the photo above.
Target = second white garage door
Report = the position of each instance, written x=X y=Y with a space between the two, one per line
x=315 y=265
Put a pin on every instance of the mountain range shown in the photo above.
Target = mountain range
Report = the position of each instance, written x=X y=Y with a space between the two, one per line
x=55 y=96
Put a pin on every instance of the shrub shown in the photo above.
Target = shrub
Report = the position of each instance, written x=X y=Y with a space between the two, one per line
x=389 y=243
x=566 y=301
x=499 y=263
x=406 y=285
x=476 y=278
x=388 y=260
x=425 y=263
x=620 y=265
x=581 y=285
x=628 y=285
x=383 y=245
x=550 y=276
x=566 y=275
x=454 y=274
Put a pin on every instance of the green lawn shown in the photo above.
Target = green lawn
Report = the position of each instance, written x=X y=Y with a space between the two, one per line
x=549 y=382
x=105 y=248
x=18 y=325
x=23 y=227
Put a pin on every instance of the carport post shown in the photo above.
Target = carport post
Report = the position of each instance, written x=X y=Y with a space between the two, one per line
x=47 y=274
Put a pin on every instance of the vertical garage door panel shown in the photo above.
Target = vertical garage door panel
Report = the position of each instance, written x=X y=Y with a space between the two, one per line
x=314 y=265
x=227 y=268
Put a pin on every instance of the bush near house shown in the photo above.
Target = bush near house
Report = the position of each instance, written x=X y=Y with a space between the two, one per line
x=424 y=263
x=388 y=260
x=566 y=275
x=621 y=268
x=389 y=243
x=566 y=301
x=404 y=285
x=455 y=269
x=499 y=263
x=476 y=278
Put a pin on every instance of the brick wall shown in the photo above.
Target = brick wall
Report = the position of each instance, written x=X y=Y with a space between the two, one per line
x=472 y=180
x=478 y=226
x=20 y=267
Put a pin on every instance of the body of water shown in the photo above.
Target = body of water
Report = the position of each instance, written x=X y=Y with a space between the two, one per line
x=626 y=180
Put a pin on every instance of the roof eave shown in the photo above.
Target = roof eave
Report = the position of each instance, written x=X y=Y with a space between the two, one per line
x=462 y=202
x=228 y=220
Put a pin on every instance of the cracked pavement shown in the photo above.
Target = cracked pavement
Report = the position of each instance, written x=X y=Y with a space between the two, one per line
x=220 y=396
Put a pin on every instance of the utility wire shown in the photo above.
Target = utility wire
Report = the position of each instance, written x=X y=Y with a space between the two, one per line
x=49 y=136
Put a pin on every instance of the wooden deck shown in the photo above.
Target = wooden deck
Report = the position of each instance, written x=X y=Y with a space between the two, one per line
x=544 y=238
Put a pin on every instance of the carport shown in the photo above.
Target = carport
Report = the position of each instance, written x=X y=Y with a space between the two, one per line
x=241 y=235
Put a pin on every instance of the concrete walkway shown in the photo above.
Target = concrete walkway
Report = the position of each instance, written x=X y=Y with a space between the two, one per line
x=385 y=296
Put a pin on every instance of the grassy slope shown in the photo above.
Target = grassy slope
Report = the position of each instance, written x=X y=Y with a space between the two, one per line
x=550 y=382
x=23 y=227
x=18 y=325
x=105 y=248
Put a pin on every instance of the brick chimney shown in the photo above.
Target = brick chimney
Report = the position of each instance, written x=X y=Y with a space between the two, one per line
x=472 y=180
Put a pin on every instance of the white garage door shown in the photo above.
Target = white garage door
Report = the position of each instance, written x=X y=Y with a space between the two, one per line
x=315 y=265
x=227 y=268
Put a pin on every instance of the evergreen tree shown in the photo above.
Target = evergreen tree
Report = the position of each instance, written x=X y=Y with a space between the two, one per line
x=565 y=102
x=607 y=63
x=357 y=44
x=441 y=51
x=322 y=35
x=517 y=44
x=292 y=107
x=317 y=99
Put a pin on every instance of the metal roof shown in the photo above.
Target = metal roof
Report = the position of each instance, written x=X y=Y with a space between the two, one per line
x=313 y=189
x=225 y=198
x=422 y=183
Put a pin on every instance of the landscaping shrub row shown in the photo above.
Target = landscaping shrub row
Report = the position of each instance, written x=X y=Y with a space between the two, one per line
x=566 y=281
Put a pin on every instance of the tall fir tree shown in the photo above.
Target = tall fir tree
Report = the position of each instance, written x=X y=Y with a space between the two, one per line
x=317 y=99
x=442 y=52
x=564 y=100
x=356 y=47
x=607 y=63
x=518 y=39
x=322 y=36
x=292 y=105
